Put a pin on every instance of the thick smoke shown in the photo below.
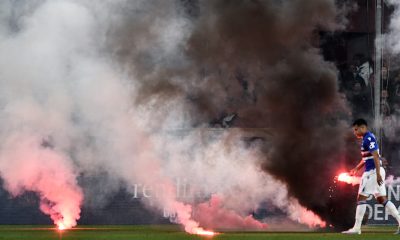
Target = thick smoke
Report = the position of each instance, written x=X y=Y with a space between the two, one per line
x=130 y=87
x=390 y=107
x=36 y=107
x=255 y=59
x=45 y=171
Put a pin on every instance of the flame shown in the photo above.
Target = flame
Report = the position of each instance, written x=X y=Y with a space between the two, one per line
x=183 y=212
x=201 y=231
x=61 y=226
x=347 y=178
x=65 y=222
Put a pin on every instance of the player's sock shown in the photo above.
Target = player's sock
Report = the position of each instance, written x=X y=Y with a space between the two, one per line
x=360 y=211
x=391 y=208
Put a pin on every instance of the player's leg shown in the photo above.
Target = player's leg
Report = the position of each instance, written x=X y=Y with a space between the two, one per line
x=389 y=206
x=361 y=206
x=363 y=193
x=360 y=211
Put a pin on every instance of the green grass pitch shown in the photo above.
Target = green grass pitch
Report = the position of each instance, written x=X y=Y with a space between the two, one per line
x=171 y=232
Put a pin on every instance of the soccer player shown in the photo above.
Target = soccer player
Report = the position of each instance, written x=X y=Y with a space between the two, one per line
x=372 y=180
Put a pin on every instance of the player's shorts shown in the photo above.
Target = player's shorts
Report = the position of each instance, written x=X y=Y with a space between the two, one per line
x=369 y=186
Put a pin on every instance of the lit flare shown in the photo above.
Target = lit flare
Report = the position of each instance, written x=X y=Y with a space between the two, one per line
x=347 y=178
x=61 y=227
x=201 y=231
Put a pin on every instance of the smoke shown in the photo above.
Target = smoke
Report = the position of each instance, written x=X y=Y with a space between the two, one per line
x=45 y=171
x=390 y=107
x=213 y=215
x=232 y=173
x=296 y=89
x=263 y=67
x=392 y=37
x=391 y=181
x=129 y=88
x=35 y=107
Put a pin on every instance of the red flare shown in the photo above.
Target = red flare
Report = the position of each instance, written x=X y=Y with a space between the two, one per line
x=347 y=178
x=61 y=227
x=201 y=231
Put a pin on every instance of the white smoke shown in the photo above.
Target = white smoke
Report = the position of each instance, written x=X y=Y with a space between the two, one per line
x=392 y=181
x=69 y=108
x=394 y=28
x=36 y=106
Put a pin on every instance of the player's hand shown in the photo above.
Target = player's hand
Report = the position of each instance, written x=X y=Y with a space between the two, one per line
x=353 y=172
x=379 y=179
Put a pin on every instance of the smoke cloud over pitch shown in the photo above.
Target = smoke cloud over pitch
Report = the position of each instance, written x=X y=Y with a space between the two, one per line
x=256 y=59
x=130 y=87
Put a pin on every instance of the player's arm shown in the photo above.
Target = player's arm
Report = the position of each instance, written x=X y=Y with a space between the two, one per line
x=358 y=167
x=377 y=167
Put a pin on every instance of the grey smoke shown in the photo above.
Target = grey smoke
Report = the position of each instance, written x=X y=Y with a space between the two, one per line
x=129 y=87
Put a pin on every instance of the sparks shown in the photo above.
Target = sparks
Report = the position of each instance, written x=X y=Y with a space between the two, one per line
x=347 y=178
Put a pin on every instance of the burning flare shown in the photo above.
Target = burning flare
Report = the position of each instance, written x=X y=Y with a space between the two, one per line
x=347 y=178
x=45 y=171
x=60 y=226
x=201 y=231
x=184 y=217
x=303 y=215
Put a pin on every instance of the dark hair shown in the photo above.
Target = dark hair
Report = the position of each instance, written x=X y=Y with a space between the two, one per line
x=360 y=122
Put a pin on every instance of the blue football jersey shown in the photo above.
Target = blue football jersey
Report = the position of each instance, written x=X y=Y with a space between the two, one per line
x=368 y=146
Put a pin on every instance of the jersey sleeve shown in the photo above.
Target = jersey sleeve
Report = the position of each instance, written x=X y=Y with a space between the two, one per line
x=370 y=144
